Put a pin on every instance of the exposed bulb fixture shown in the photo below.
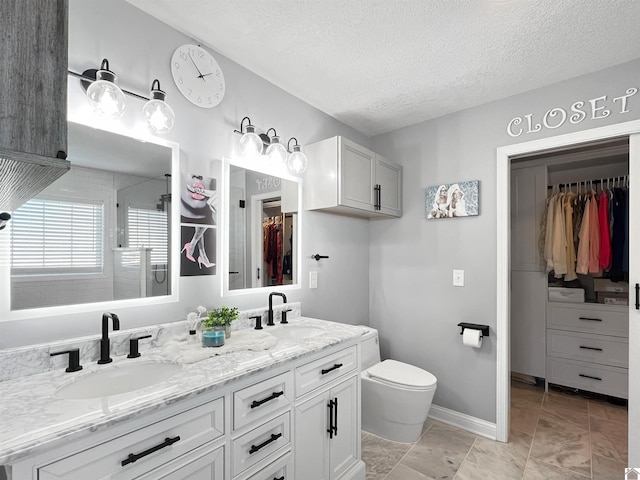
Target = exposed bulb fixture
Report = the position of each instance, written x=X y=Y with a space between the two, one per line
x=107 y=98
x=250 y=143
x=159 y=115
x=297 y=161
x=276 y=152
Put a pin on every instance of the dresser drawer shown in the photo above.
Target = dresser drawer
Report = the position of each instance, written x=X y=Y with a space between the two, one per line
x=268 y=440
x=588 y=347
x=260 y=400
x=588 y=376
x=143 y=449
x=312 y=375
x=599 y=319
x=281 y=468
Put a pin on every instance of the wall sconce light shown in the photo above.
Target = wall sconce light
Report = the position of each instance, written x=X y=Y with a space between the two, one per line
x=297 y=161
x=159 y=115
x=108 y=99
x=276 y=152
x=250 y=144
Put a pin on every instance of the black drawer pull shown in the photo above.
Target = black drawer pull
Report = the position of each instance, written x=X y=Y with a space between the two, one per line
x=335 y=367
x=589 y=376
x=134 y=457
x=274 y=395
x=279 y=478
x=591 y=319
x=591 y=348
x=274 y=437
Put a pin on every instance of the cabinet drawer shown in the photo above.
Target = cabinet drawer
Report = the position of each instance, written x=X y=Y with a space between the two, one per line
x=187 y=431
x=590 y=319
x=282 y=468
x=588 y=347
x=588 y=376
x=267 y=440
x=319 y=372
x=206 y=462
x=260 y=400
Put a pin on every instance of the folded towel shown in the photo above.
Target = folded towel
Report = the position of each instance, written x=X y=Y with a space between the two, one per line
x=185 y=350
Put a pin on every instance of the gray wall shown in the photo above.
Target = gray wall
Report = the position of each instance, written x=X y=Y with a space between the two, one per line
x=139 y=49
x=412 y=300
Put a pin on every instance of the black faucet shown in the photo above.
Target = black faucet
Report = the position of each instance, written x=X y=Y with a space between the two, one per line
x=270 y=314
x=105 y=350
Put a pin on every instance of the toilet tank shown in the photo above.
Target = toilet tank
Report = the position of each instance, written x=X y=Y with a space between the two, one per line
x=369 y=348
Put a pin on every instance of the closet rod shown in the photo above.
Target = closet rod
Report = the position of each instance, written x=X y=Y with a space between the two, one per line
x=624 y=178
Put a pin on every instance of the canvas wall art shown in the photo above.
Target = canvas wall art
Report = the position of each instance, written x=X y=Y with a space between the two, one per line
x=452 y=200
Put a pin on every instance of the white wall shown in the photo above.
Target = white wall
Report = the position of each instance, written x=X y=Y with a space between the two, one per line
x=412 y=300
x=139 y=49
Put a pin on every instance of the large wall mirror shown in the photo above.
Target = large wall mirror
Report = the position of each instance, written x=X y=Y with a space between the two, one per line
x=262 y=229
x=103 y=234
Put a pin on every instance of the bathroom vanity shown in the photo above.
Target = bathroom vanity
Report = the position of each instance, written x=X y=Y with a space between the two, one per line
x=292 y=411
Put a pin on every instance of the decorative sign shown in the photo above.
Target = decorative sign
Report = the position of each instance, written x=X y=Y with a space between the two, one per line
x=268 y=183
x=452 y=200
x=593 y=109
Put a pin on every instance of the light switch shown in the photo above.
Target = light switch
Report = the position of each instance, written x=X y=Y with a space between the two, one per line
x=458 y=278
x=313 y=279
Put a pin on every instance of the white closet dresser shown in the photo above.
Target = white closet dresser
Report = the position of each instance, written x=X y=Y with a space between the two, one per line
x=588 y=347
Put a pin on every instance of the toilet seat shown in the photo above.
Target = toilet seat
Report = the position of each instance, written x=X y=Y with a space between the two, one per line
x=400 y=374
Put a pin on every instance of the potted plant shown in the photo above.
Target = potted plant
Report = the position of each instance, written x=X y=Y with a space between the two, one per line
x=222 y=316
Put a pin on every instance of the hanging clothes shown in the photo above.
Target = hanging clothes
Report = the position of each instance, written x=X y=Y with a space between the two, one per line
x=619 y=241
x=605 y=239
x=594 y=237
x=559 y=238
x=569 y=200
x=582 y=262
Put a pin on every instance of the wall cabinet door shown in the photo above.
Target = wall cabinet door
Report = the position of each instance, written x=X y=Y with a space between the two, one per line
x=33 y=107
x=389 y=187
x=321 y=454
x=357 y=175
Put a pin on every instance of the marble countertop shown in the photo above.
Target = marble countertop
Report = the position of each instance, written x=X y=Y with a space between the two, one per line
x=32 y=417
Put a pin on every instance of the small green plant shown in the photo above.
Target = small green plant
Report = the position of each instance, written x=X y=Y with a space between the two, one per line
x=220 y=317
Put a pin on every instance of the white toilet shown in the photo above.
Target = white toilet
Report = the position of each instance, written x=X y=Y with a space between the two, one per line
x=396 y=396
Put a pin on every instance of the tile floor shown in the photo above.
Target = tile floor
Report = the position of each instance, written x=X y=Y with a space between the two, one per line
x=554 y=436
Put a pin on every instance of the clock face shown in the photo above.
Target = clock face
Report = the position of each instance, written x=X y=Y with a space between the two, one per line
x=198 y=76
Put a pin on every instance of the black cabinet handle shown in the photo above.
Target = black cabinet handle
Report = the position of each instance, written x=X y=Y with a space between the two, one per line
x=589 y=376
x=134 y=457
x=377 y=190
x=335 y=413
x=590 y=319
x=330 y=430
x=274 y=437
x=331 y=369
x=637 y=296
x=274 y=395
x=591 y=348
x=279 y=478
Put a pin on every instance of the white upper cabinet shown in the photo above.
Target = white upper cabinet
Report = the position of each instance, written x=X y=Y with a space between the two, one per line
x=347 y=178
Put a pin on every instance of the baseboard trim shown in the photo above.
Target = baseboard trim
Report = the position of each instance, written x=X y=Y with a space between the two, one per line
x=463 y=421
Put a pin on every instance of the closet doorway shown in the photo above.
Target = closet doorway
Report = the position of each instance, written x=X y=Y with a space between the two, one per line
x=505 y=156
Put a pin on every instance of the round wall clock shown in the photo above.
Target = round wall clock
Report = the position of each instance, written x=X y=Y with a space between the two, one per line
x=197 y=75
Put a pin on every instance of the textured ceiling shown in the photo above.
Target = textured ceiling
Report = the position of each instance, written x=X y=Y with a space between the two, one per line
x=379 y=65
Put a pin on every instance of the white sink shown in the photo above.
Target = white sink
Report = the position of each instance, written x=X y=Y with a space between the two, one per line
x=294 y=332
x=117 y=379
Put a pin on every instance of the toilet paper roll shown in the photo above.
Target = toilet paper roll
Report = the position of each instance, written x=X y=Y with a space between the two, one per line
x=472 y=338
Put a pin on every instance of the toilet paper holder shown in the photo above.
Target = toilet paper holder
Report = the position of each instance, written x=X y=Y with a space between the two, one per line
x=484 y=329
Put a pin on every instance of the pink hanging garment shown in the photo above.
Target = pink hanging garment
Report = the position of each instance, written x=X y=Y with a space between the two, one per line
x=594 y=238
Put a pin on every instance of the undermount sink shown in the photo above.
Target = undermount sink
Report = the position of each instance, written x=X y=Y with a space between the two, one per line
x=117 y=379
x=294 y=332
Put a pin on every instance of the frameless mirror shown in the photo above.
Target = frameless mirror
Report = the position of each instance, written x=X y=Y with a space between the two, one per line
x=103 y=231
x=262 y=229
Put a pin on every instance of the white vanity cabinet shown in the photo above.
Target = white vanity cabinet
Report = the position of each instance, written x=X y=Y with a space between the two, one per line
x=327 y=417
x=347 y=178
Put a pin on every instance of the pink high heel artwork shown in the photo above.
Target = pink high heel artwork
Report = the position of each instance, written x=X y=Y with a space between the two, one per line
x=187 y=248
x=205 y=262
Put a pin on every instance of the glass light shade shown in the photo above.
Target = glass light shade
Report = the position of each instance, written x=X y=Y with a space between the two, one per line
x=106 y=97
x=297 y=161
x=276 y=151
x=250 y=143
x=159 y=115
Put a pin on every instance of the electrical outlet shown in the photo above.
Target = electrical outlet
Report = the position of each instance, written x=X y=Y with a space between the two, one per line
x=458 y=278
x=313 y=279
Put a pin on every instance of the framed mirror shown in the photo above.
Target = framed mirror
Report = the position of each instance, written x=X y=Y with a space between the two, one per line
x=261 y=244
x=103 y=234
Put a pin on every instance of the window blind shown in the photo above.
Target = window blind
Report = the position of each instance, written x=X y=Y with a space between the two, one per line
x=148 y=228
x=50 y=237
